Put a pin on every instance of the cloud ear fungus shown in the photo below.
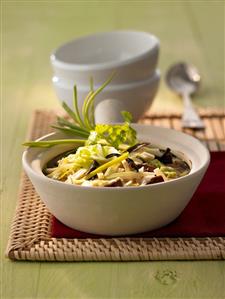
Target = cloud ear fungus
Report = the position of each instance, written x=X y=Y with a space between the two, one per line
x=167 y=157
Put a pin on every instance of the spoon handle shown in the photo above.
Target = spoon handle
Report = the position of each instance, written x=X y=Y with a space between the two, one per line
x=190 y=118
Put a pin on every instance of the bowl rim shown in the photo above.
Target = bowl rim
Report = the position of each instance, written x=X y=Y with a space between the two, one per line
x=150 y=81
x=44 y=178
x=104 y=65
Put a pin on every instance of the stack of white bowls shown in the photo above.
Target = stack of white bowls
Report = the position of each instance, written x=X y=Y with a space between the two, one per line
x=132 y=55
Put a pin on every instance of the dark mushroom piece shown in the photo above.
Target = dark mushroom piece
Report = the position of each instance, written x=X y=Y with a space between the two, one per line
x=156 y=179
x=93 y=166
x=112 y=155
x=167 y=157
x=132 y=164
x=115 y=183
x=147 y=167
x=136 y=147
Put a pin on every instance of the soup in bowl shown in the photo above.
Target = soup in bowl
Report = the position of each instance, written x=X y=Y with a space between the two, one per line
x=122 y=209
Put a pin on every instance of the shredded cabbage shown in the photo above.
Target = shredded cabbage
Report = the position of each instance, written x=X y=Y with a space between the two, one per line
x=83 y=158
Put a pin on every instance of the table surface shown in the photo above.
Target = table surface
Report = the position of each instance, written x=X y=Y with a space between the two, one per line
x=192 y=31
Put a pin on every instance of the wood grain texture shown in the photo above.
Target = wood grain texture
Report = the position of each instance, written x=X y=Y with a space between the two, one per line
x=188 y=30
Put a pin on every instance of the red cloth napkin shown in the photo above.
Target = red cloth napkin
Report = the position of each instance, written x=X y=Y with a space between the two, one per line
x=204 y=216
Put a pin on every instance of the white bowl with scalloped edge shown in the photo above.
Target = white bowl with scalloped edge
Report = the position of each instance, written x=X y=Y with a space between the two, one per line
x=119 y=211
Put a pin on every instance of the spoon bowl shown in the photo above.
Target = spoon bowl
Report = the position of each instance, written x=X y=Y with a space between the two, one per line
x=185 y=79
x=183 y=76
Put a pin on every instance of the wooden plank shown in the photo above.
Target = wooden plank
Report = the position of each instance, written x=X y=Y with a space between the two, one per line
x=31 y=31
x=131 y=280
x=206 y=19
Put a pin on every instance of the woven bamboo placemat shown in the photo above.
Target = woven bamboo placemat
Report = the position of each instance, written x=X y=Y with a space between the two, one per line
x=30 y=237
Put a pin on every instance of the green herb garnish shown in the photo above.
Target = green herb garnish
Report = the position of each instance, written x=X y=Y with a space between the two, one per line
x=51 y=143
x=84 y=125
x=114 y=135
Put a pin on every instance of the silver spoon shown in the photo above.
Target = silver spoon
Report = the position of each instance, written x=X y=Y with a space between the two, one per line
x=184 y=79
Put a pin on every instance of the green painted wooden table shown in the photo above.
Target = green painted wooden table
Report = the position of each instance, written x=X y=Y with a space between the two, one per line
x=188 y=30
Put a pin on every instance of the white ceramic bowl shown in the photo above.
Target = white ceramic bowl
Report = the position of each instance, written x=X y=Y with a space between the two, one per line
x=132 y=54
x=120 y=210
x=136 y=97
